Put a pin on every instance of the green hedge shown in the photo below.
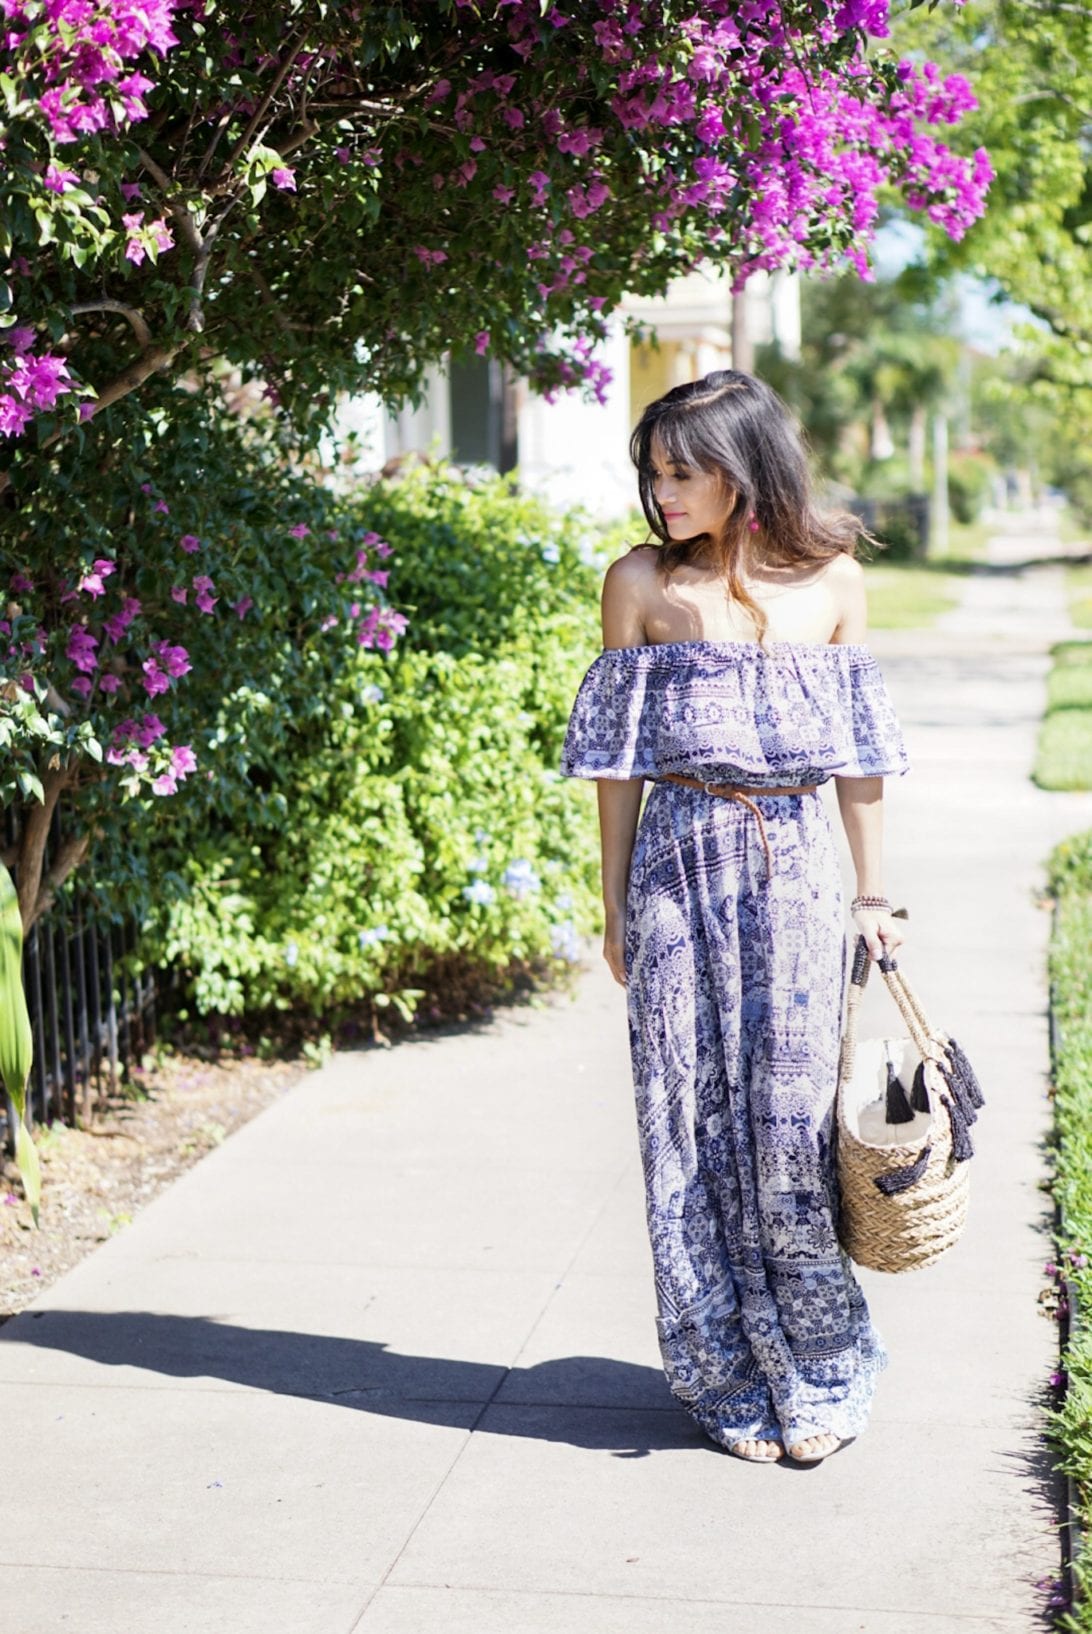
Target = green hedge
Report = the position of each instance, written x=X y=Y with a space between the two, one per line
x=1070 y=959
x=414 y=815
x=1064 y=758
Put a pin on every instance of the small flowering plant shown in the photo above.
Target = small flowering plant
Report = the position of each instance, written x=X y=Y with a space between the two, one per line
x=131 y=619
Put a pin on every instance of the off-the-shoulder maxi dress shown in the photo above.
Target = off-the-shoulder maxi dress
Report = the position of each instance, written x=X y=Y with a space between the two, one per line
x=735 y=984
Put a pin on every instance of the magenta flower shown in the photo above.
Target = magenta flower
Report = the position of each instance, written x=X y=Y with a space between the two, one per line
x=118 y=623
x=202 y=593
x=190 y=543
x=243 y=605
x=175 y=660
x=300 y=531
x=81 y=685
x=161 y=234
x=154 y=681
x=91 y=583
x=179 y=594
x=481 y=342
x=59 y=181
x=109 y=682
x=284 y=178
x=150 y=730
x=81 y=648
x=165 y=783
x=21 y=584
x=183 y=760
x=14 y=416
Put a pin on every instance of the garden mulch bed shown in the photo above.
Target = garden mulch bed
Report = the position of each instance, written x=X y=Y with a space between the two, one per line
x=95 y=1180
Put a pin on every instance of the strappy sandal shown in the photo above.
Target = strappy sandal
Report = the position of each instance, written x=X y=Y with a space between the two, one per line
x=818 y=1458
x=751 y=1458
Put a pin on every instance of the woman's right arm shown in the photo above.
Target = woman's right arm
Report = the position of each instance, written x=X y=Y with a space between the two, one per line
x=619 y=799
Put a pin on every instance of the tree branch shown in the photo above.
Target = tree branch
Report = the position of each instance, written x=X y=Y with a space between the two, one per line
x=131 y=377
x=130 y=313
x=263 y=106
x=186 y=224
x=68 y=858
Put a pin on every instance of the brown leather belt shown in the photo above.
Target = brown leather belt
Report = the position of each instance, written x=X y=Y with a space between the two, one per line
x=745 y=796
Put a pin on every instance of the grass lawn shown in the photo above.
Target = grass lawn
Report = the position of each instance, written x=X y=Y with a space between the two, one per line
x=1070 y=964
x=910 y=595
x=1064 y=759
x=1079 y=581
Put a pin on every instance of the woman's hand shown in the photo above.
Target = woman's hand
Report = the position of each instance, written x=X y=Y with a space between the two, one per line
x=614 y=947
x=883 y=933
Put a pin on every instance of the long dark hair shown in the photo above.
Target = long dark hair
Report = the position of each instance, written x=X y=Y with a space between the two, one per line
x=736 y=426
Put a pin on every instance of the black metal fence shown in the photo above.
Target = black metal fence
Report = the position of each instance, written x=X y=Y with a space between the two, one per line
x=90 y=1019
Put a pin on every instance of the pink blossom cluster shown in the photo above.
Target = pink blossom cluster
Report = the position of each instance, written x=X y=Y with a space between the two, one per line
x=375 y=625
x=771 y=139
x=30 y=383
x=79 y=51
x=74 y=60
x=129 y=747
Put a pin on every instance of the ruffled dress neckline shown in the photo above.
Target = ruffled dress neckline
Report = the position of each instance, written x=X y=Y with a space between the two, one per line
x=734 y=711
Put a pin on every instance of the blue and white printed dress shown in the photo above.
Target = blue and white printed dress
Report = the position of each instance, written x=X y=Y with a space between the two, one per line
x=735 y=986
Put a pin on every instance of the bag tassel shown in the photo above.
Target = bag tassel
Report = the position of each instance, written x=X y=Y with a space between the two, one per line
x=961 y=1140
x=919 y=1095
x=897 y=1108
x=965 y=1072
x=958 y=1090
x=900 y=1179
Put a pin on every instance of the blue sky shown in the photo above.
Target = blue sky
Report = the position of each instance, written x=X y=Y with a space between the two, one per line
x=984 y=323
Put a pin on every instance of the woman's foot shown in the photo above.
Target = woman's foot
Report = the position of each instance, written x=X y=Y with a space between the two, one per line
x=757 y=1451
x=814 y=1448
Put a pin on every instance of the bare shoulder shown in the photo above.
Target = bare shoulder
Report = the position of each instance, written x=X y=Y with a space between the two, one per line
x=626 y=589
x=844 y=576
x=844 y=570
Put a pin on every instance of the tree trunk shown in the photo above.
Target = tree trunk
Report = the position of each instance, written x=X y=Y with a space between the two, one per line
x=916 y=449
x=37 y=883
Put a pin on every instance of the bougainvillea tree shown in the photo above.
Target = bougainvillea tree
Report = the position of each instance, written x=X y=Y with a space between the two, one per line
x=314 y=197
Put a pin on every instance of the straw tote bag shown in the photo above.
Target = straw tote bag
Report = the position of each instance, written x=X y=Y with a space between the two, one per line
x=904 y=1106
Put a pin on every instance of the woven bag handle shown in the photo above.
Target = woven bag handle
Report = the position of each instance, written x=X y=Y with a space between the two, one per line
x=915 y=1004
x=926 y=1040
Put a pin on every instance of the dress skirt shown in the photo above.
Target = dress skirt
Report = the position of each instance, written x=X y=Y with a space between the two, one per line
x=734 y=990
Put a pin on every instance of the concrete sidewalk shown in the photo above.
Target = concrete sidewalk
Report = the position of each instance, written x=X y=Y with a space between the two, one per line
x=385 y=1360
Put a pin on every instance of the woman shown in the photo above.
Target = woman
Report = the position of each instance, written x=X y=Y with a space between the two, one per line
x=734 y=662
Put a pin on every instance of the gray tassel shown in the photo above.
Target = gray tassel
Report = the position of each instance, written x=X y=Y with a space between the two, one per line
x=960 y=1065
x=919 y=1095
x=898 y=1109
x=958 y=1090
x=900 y=1179
x=961 y=1140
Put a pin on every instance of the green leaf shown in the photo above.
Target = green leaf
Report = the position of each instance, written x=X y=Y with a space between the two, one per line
x=30 y=1173
x=16 y=1038
x=31 y=784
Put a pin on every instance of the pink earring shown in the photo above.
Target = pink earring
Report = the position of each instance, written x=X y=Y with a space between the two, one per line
x=753 y=523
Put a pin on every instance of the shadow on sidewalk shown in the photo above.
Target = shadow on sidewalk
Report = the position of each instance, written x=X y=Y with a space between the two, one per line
x=585 y=1401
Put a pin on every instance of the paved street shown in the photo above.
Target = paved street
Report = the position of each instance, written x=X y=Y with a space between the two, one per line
x=385 y=1360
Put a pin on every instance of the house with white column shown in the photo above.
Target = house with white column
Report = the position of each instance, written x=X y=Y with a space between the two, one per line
x=572 y=451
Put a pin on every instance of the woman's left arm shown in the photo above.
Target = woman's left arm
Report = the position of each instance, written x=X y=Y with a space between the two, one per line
x=860 y=799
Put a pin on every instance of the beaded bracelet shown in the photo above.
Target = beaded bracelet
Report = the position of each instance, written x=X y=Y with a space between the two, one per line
x=879 y=902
